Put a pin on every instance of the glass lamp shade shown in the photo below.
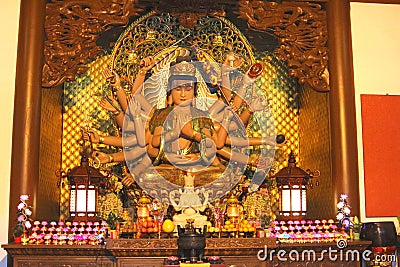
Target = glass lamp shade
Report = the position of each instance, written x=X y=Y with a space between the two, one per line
x=83 y=181
x=233 y=207
x=233 y=211
x=293 y=201
x=83 y=200
x=143 y=212
x=292 y=185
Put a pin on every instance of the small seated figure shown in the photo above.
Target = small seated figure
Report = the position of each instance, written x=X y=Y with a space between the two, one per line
x=190 y=213
x=190 y=204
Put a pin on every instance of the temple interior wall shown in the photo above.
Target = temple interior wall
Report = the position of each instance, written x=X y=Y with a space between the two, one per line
x=371 y=77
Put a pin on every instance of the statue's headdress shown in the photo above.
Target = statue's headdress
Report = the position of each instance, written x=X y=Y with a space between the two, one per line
x=183 y=70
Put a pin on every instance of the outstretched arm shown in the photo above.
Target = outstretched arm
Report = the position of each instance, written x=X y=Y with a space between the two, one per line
x=115 y=81
x=135 y=110
x=146 y=64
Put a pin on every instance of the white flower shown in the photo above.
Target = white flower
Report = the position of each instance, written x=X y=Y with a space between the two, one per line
x=339 y=216
x=346 y=210
x=28 y=212
x=340 y=205
x=343 y=196
x=21 y=206
x=24 y=197
x=28 y=224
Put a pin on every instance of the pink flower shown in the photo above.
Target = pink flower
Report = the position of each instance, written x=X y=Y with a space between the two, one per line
x=24 y=197
x=21 y=206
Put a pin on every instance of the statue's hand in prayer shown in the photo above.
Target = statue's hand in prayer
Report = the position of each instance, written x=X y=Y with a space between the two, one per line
x=187 y=130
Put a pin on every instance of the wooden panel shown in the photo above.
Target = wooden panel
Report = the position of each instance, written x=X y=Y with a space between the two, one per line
x=51 y=261
x=140 y=262
x=381 y=145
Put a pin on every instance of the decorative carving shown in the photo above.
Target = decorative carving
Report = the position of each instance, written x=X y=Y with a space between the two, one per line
x=302 y=33
x=72 y=28
x=235 y=243
x=141 y=243
x=212 y=243
x=189 y=11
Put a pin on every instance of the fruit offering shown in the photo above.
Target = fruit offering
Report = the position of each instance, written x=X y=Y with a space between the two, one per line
x=148 y=226
x=229 y=226
x=246 y=227
x=168 y=226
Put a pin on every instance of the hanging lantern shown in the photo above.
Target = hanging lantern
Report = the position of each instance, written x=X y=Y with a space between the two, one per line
x=83 y=181
x=292 y=185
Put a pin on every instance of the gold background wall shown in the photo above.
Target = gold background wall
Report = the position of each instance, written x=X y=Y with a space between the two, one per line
x=315 y=150
x=50 y=154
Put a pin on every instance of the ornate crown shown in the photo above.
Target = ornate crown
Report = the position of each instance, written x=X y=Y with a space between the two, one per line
x=183 y=68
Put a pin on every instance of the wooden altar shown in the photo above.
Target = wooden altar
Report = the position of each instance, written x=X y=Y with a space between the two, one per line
x=152 y=252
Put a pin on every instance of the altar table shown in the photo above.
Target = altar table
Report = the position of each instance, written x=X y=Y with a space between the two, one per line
x=152 y=253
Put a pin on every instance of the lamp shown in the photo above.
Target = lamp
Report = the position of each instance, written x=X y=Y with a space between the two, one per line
x=83 y=181
x=292 y=186
x=143 y=210
x=232 y=207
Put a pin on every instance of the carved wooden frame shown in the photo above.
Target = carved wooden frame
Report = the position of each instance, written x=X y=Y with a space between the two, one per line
x=29 y=82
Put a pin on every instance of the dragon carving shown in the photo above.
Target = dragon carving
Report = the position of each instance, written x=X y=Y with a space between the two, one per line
x=302 y=33
x=72 y=28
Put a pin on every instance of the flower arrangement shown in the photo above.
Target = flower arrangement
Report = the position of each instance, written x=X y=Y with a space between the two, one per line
x=23 y=212
x=343 y=213
x=110 y=206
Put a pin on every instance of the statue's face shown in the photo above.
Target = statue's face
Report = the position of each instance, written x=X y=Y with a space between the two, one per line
x=182 y=93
